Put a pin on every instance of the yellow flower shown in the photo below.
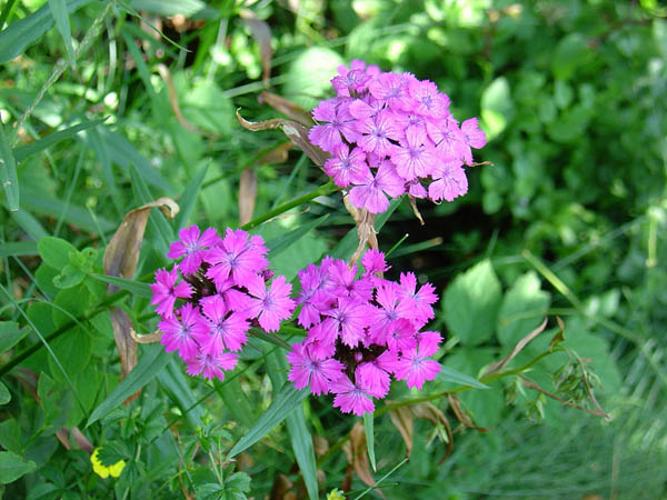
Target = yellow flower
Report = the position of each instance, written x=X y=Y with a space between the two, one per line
x=335 y=494
x=102 y=470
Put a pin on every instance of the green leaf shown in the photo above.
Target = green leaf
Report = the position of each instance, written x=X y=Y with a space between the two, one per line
x=22 y=33
x=8 y=176
x=13 y=466
x=135 y=287
x=278 y=245
x=174 y=381
x=448 y=374
x=154 y=359
x=29 y=224
x=10 y=335
x=523 y=308
x=285 y=402
x=18 y=248
x=308 y=77
x=188 y=199
x=69 y=277
x=571 y=53
x=471 y=304
x=497 y=107
x=5 y=395
x=61 y=16
x=168 y=8
x=369 y=429
x=23 y=152
x=55 y=251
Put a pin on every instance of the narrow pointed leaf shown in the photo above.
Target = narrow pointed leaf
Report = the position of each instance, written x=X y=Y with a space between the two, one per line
x=23 y=152
x=369 y=425
x=8 y=178
x=448 y=374
x=61 y=17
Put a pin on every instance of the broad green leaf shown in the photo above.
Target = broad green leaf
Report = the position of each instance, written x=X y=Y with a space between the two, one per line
x=5 y=395
x=471 y=304
x=61 y=17
x=18 y=248
x=572 y=52
x=8 y=176
x=55 y=251
x=523 y=308
x=369 y=430
x=309 y=75
x=154 y=359
x=282 y=243
x=168 y=8
x=10 y=335
x=73 y=351
x=497 y=107
x=69 y=277
x=285 y=402
x=22 y=33
x=13 y=466
x=135 y=287
x=23 y=152
x=448 y=374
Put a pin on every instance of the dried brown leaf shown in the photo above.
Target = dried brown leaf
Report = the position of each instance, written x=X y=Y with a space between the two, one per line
x=247 y=195
x=292 y=110
x=151 y=338
x=357 y=454
x=461 y=414
x=415 y=210
x=127 y=347
x=282 y=488
x=321 y=445
x=520 y=345
x=277 y=155
x=261 y=32
x=81 y=440
x=296 y=132
x=172 y=96
x=403 y=419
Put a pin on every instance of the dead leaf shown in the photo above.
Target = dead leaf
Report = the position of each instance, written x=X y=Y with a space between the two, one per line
x=364 y=221
x=282 y=488
x=277 y=155
x=81 y=440
x=296 y=132
x=247 y=195
x=292 y=110
x=172 y=96
x=261 y=32
x=415 y=210
x=559 y=337
x=403 y=420
x=520 y=345
x=461 y=415
x=321 y=445
x=120 y=259
x=355 y=450
x=151 y=338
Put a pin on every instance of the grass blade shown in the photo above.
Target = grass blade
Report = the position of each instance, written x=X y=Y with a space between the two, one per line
x=23 y=152
x=188 y=199
x=154 y=359
x=448 y=374
x=278 y=245
x=175 y=383
x=61 y=17
x=19 y=248
x=285 y=402
x=135 y=287
x=369 y=424
x=8 y=177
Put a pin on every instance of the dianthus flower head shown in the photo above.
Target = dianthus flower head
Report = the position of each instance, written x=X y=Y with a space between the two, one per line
x=389 y=134
x=362 y=329
x=216 y=291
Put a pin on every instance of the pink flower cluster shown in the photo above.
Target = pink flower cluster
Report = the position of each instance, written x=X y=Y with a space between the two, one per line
x=390 y=134
x=209 y=300
x=361 y=330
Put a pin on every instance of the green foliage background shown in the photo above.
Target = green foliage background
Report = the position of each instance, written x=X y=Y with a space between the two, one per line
x=569 y=221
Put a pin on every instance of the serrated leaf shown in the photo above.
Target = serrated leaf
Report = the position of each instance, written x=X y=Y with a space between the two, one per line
x=448 y=374
x=471 y=304
x=10 y=335
x=285 y=402
x=55 y=252
x=154 y=359
x=13 y=466
x=8 y=177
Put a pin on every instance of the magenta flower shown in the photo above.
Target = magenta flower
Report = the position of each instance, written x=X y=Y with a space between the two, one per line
x=240 y=256
x=211 y=365
x=449 y=182
x=351 y=398
x=166 y=290
x=344 y=164
x=473 y=136
x=414 y=158
x=377 y=133
x=375 y=379
x=192 y=247
x=416 y=304
x=338 y=123
x=429 y=101
x=225 y=331
x=181 y=331
x=370 y=192
x=415 y=367
x=347 y=320
x=270 y=305
x=310 y=370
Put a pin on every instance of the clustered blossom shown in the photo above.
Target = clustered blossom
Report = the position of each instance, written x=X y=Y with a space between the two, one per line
x=389 y=134
x=218 y=289
x=362 y=330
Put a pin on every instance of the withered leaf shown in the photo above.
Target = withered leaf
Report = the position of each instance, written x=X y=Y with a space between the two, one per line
x=247 y=195
x=520 y=345
x=277 y=155
x=292 y=110
x=403 y=419
x=172 y=96
x=365 y=229
x=296 y=132
x=461 y=415
x=415 y=210
x=357 y=456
